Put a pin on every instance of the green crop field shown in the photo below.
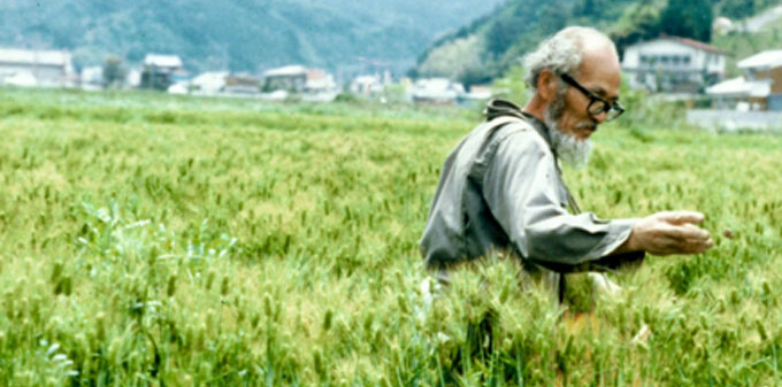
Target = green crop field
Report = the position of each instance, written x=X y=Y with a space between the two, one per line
x=148 y=240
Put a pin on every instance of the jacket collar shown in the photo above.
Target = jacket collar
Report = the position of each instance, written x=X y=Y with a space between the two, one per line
x=500 y=108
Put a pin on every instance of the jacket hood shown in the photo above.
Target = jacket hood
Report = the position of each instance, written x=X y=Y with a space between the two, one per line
x=500 y=107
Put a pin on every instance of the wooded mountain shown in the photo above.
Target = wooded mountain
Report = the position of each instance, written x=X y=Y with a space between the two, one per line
x=489 y=46
x=240 y=35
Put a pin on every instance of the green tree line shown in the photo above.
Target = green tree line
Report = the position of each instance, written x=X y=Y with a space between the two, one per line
x=519 y=25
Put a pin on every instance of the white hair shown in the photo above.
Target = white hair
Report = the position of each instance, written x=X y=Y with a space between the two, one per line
x=561 y=53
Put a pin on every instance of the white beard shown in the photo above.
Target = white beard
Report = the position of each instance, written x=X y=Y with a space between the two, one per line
x=570 y=149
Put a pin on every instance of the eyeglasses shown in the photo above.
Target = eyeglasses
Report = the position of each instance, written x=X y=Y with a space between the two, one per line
x=596 y=105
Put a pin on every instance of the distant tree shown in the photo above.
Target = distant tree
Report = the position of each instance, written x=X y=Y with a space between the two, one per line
x=553 y=16
x=476 y=76
x=642 y=22
x=454 y=59
x=737 y=9
x=688 y=19
x=511 y=85
x=503 y=33
x=588 y=8
x=113 y=72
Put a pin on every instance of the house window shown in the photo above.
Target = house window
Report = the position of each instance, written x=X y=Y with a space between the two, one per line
x=686 y=59
x=676 y=60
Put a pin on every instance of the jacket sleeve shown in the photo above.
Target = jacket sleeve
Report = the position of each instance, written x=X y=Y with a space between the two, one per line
x=524 y=192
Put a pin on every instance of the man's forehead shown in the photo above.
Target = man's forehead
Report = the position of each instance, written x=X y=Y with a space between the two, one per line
x=600 y=72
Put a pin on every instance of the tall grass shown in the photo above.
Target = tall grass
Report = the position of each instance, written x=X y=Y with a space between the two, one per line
x=150 y=241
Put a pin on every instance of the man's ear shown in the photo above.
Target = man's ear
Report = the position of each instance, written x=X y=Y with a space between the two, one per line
x=547 y=85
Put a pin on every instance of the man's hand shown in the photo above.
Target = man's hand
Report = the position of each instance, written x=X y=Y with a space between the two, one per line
x=666 y=233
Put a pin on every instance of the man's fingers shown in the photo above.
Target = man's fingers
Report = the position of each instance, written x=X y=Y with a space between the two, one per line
x=682 y=217
x=687 y=232
x=674 y=232
x=694 y=232
x=696 y=246
x=686 y=246
x=686 y=239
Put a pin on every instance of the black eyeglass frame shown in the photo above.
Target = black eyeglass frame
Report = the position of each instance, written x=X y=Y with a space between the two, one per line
x=607 y=107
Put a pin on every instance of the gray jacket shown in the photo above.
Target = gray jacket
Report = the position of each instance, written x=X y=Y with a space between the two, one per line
x=501 y=189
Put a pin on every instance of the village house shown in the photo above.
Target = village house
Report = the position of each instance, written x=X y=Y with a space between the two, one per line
x=366 y=85
x=92 y=78
x=759 y=88
x=320 y=87
x=477 y=93
x=133 y=78
x=319 y=81
x=242 y=83
x=209 y=83
x=673 y=65
x=313 y=85
x=161 y=71
x=292 y=79
x=436 y=91
x=20 y=67
x=223 y=82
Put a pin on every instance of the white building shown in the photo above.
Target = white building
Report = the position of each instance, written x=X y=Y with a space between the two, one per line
x=92 y=78
x=320 y=87
x=161 y=71
x=436 y=91
x=739 y=93
x=366 y=85
x=36 y=68
x=311 y=85
x=759 y=88
x=178 y=88
x=133 y=78
x=242 y=84
x=209 y=83
x=479 y=93
x=319 y=81
x=292 y=79
x=673 y=65
x=169 y=63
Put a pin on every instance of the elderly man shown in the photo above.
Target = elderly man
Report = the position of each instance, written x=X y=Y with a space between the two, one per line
x=501 y=188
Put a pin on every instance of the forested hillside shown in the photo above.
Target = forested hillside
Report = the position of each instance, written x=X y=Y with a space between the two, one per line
x=487 y=47
x=247 y=35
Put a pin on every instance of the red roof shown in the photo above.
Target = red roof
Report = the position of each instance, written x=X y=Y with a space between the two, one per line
x=695 y=44
x=315 y=74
